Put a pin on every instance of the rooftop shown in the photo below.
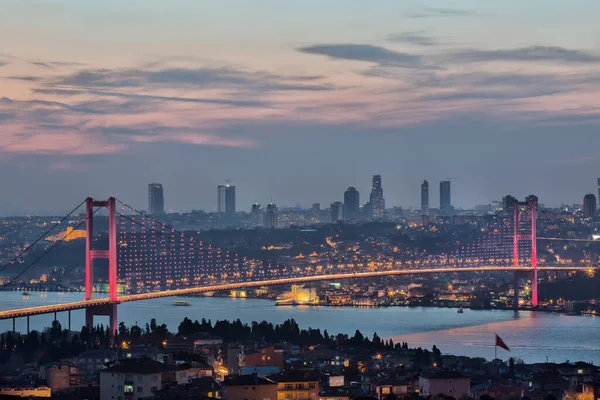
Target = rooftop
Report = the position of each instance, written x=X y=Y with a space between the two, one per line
x=294 y=376
x=247 y=380
x=140 y=366
x=444 y=375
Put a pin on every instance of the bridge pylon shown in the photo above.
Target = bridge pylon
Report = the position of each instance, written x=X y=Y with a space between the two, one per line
x=110 y=254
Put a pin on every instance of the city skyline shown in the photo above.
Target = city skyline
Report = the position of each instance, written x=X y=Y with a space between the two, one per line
x=92 y=105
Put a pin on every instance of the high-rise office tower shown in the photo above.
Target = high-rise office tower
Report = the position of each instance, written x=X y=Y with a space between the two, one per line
x=337 y=211
x=257 y=214
x=226 y=199
x=589 y=206
x=425 y=198
x=598 y=189
x=532 y=198
x=508 y=202
x=156 y=200
x=315 y=210
x=270 y=216
x=376 y=198
x=351 y=204
x=445 y=200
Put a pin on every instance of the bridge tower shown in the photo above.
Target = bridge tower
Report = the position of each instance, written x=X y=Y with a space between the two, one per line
x=531 y=205
x=109 y=309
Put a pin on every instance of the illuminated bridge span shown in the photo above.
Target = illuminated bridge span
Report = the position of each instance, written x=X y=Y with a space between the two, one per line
x=8 y=314
x=151 y=260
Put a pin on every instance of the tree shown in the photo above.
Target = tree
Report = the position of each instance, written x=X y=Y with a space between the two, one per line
x=123 y=329
x=358 y=337
x=437 y=356
x=376 y=340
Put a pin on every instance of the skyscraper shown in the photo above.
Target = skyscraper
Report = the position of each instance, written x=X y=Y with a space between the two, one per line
x=156 y=200
x=425 y=198
x=589 y=206
x=351 y=204
x=598 y=189
x=445 y=201
x=337 y=211
x=257 y=214
x=270 y=216
x=226 y=199
x=376 y=198
x=508 y=202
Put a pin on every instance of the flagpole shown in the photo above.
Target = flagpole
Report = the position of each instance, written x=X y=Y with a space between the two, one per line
x=495 y=351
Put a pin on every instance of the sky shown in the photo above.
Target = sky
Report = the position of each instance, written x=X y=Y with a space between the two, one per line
x=295 y=101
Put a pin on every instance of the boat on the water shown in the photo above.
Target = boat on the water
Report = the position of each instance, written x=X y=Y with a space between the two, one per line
x=181 y=303
x=460 y=311
x=26 y=294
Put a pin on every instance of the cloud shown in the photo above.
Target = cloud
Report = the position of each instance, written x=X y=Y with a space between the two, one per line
x=489 y=95
x=24 y=78
x=365 y=52
x=203 y=78
x=416 y=37
x=443 y=12
x=532 y=53
x=108 y=93
x=6 y=116
x=158 y=134
x=53 y=64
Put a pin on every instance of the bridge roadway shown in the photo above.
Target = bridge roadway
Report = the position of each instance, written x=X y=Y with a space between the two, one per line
x=24 y=312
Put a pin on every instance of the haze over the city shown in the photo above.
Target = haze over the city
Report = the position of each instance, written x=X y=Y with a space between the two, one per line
x=296 y=101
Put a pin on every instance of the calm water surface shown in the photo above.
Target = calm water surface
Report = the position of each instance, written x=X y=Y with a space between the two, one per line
x=532 y=336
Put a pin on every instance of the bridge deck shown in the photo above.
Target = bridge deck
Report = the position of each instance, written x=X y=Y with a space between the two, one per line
x=23 y=312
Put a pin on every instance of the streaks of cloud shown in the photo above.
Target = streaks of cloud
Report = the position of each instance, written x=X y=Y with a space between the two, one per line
x=531 y=53
x=418 y=38
x=27 y=78
x=109 y=93
x=365 y=52
x=192 y=77
x=427 y=12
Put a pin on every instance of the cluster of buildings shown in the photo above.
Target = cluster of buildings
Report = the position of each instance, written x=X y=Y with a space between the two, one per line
x=348 y=210
x=201 y=366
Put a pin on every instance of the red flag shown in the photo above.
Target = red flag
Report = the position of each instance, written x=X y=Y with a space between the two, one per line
x=500 y=343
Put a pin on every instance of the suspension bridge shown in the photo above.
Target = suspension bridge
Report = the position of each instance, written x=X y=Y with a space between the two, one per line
x=148 y=259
